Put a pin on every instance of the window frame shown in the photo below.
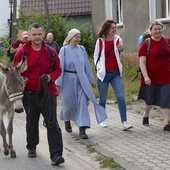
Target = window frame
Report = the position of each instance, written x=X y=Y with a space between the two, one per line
x=109 y=11
x=152 y=11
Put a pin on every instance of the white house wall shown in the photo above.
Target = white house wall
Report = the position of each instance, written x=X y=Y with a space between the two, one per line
x=136 y=19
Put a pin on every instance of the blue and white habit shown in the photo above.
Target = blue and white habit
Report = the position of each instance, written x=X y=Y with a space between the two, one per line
x=75 y=88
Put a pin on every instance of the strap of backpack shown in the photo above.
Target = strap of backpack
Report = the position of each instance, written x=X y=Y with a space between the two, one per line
x=148 y=43
x=117 y=42
x=167 y=41
x=52 y=58
x=23 y=53
x=100 y=50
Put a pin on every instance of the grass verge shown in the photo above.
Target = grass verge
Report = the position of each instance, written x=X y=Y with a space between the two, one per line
x=105 y=162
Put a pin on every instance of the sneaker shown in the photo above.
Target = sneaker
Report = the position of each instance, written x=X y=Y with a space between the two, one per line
x=103 y=124
x=56 y=160
x=145 y=121
x=126 y=126
x=32 y=153
x=167 y=127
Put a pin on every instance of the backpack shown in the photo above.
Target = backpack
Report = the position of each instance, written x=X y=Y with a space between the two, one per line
x=146 y=37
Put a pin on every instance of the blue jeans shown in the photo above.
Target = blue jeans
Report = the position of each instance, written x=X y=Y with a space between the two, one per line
x=116 y=82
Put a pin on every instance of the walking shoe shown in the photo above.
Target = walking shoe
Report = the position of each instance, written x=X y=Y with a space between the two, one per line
x=68 y=127
x=145 y=121
x=167 y=127
x=56 y=160
x=82 y=133
x=103 y=124
x=126 y=126
x=32 y=153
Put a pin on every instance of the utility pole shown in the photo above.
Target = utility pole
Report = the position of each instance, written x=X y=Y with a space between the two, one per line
x=47 y=11
x=14 y=21
x=10 y=21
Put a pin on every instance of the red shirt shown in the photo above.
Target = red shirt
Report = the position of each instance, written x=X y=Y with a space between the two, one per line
x=158 y=61
x=17 y=43
x=34 y=70
x=39 y=63
x=110 y=58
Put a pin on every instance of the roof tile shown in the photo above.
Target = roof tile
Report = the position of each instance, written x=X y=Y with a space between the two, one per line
x=71 y=7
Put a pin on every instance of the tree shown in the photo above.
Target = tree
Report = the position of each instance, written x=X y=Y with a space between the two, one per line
x=58 y=26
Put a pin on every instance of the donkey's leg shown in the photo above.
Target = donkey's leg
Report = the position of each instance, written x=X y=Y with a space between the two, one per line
x=10 y=132
x=3 y=134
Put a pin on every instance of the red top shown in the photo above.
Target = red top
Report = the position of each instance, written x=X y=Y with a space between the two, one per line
x=158 y=61
x=17 y=43
x=39 y=63
x=110 y=58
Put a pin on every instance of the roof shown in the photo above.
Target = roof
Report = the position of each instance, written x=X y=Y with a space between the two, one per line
x=64 y=7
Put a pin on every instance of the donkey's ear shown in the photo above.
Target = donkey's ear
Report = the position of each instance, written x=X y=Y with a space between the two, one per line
x=22 y=66
x=3 y=69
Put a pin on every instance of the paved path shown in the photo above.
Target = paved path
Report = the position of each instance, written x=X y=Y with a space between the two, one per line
x=141 y=148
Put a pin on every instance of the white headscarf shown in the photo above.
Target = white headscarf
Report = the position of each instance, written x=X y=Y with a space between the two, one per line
x=70 y=35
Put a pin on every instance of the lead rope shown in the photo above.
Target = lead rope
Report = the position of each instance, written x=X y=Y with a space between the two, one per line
x=46 y=104
x=48 y=113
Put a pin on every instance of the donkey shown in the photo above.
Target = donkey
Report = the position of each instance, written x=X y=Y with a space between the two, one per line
x=12 y=85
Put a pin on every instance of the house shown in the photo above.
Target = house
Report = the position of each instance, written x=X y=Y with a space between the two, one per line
x=133 y=17
x=78 y=11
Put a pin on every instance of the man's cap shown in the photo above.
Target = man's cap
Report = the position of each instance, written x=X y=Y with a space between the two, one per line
x=25 y=34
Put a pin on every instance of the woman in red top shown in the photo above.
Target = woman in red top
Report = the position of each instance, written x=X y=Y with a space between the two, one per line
x=109 y=68
x=155 y=68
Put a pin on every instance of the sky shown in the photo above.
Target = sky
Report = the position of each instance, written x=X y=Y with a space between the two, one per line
x=4 y=16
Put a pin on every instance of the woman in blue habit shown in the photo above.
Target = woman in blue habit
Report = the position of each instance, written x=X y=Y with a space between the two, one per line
x=74 y=85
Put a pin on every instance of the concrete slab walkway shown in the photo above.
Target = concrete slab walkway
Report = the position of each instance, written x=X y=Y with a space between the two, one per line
x=141 y=148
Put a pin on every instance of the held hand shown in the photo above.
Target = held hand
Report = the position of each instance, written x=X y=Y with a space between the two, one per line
x=120 y=48
x=25 y=80
x=45 y=78
x=147 y=81
x=58 y=89
x=93 y=85
x=49 y=78
x=20 y=45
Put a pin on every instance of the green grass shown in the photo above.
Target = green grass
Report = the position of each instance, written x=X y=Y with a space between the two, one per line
x=3 y=57
x=108 y=162
x=90 y=149
x=105 y=162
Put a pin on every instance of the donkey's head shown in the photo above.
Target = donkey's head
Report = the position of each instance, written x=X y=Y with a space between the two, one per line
x=15 y=83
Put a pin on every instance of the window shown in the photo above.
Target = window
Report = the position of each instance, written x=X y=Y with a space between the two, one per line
x=114 y=10
x=159 y=10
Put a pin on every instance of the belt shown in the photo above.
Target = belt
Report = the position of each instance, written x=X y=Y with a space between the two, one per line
x=110 y=71
x=74 y=72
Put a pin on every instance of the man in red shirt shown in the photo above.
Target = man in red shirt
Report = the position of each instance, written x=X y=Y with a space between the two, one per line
x=40 y=93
